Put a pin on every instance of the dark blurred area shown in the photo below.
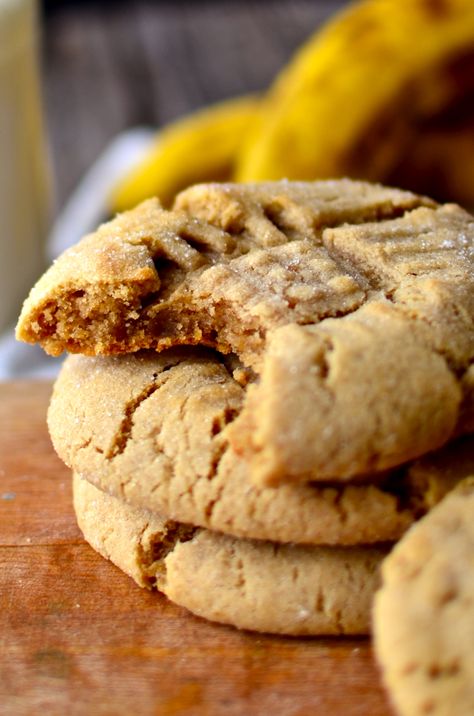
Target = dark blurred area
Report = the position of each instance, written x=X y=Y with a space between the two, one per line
x=112 y=65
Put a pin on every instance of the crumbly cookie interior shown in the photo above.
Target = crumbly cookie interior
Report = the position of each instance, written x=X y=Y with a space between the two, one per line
x=354 y=304
x=221 y=269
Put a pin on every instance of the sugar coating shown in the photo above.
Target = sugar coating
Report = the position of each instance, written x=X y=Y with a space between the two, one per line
x=353 y=301
x=227 y=264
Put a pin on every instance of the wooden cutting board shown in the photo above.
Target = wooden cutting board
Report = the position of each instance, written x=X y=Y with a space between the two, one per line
x=79 y=637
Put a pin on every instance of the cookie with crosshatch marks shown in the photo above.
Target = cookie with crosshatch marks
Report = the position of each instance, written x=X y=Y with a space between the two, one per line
x=424 y=612
x=251 y=584
x=153 y=429
x=226 y=265
x=287 y=275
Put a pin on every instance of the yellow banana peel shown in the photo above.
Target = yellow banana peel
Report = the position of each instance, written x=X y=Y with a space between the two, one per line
x=200 y=147
x=355 y=98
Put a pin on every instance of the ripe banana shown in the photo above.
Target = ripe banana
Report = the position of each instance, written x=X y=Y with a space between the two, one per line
x=358 y=96
x=200 y=147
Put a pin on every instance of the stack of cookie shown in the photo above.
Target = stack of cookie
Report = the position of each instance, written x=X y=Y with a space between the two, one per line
x=276 y=381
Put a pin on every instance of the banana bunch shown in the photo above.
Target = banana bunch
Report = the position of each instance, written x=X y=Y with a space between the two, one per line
x=357 y=98
x=384 y=92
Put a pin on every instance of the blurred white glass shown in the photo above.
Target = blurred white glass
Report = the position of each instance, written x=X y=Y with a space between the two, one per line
x=24 y=170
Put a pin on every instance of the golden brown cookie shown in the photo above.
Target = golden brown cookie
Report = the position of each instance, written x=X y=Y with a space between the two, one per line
x=253 y=585
x=337 y=400
x=233 y=265
x=227 y=264
x=424 y=612
x=381 y=385
x=153 y=430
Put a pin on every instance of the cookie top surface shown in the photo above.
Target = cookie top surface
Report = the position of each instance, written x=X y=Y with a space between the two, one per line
x=228 y=262
x=240 y=267
x=424 y=612
x=153 y=429
x=254 y=585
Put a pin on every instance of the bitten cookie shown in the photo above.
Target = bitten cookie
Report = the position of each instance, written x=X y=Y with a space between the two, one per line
x=252 y=585
x=227 y=264
x=424 y=612
x=153 y=429
x=356 y=274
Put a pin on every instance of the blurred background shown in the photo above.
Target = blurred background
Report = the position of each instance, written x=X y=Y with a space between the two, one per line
x=112 y=65
x=105 y=103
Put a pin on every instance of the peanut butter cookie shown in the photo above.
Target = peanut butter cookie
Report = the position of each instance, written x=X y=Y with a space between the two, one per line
x=255 y=585
x=424 y=612
x=364 y=295
x=153 y=429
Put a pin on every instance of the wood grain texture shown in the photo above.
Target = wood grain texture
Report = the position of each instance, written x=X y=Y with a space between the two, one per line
x=78 y=637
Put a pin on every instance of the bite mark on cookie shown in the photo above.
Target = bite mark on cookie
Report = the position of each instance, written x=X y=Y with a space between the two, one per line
x=159 y=285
